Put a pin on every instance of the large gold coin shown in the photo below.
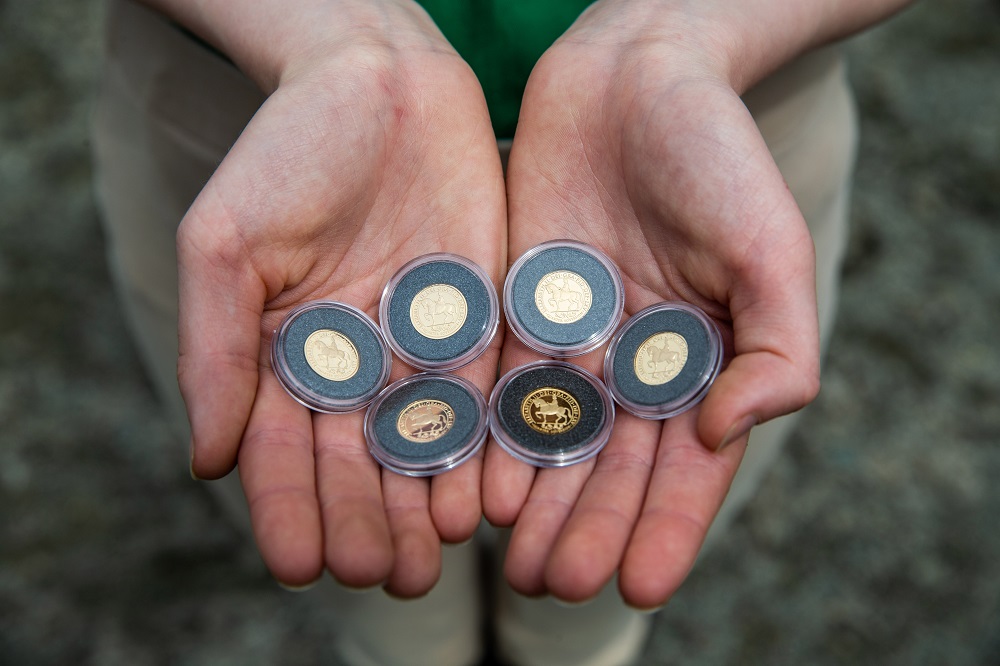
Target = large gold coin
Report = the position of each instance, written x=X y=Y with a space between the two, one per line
x=563 y=297
x=438 y=311
x=661 y=358
x=331 y=355
x=425 y=420
x=550 y=410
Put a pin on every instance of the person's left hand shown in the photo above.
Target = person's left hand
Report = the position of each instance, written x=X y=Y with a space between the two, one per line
x=633 y=139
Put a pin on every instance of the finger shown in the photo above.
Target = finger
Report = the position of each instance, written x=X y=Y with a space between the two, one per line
x=547 y=509
x=775 y=370
x=593 y=541
x=686 y=489
x=221 y=302
x=456 y=506
x=417 y=547
x=749 y=250
x=506 y=480
x=456 y=495
x=357 y=543
x=278 y=477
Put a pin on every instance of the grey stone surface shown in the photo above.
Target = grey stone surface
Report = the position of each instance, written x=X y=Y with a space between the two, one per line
x=874 y=540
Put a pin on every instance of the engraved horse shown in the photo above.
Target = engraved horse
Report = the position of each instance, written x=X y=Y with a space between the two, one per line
x=546 y=408
x=661 y=356
x=563 y=295
x=331 y=352
x=426 y=421
x=437 y=309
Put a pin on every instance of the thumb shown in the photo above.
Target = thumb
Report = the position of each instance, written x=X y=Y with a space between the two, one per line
x=221 y=303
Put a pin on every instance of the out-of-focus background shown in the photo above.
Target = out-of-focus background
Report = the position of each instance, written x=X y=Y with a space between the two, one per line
x=875 y=539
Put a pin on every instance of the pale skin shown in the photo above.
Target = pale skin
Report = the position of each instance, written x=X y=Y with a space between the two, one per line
x=375 y=147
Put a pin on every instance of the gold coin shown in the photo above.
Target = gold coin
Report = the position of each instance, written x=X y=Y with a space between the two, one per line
x=425 y=420
x=563 y=297
x=438 y=311
x=661 y=358
x=331 y=355
x=550 y=410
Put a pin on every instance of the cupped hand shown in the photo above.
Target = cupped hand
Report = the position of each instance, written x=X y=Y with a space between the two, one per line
x=632 y=138
x=372 y=150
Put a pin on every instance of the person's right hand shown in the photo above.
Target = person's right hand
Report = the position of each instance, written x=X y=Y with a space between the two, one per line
x=374 y=148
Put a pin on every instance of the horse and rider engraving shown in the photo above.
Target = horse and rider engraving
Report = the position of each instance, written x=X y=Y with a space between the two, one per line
x=546 y=407
x=332 y=354
x=563 y=295
x=438 y=311
x=439 y=308
x=550 y=410
x=662 y=359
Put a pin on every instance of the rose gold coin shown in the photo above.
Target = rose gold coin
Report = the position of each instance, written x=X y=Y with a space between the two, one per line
x=425 y=420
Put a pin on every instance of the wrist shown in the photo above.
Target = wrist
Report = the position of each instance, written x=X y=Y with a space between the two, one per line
x=736 y=42
x=271 y=41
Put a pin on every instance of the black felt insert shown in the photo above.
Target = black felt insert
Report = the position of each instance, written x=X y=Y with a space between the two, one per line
x=592 y=412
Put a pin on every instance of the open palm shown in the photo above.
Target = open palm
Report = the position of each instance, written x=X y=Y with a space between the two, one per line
x=654 y=160
x=355 y=165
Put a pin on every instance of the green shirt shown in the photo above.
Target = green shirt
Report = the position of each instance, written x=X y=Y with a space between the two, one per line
x=502 y=40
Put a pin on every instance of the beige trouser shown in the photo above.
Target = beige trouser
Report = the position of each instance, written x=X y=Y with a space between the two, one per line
x=168 y=111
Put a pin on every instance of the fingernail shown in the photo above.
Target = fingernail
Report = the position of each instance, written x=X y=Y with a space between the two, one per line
x=737 y=430
x=569 y=604
x=298 y=588
x=648 y=611
x=191 y=461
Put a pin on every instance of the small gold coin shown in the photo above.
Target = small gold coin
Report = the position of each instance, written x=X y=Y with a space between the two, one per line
x=438 y=311
x=661 y=358
x=563 y=297
x=425 y=420
x=550 y=410
x=331 y=355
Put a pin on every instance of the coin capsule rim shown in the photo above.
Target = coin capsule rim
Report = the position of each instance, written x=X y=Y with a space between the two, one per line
x=562 y=459
x=451 y=363
x=397 y=464
x=306 y=396
x=674 y=407
x=555 y=350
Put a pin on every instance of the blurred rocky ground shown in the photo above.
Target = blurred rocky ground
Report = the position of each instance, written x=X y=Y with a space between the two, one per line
x=875 y=540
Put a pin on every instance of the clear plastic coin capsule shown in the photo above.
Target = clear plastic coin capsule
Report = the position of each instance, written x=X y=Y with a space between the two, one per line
x=551 y=414
x=330 y=356
x=663 y=361
x=426 y=424
x=563 y=298
x=439 y=312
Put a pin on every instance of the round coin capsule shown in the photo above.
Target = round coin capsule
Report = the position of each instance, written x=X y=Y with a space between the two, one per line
x=551 y=414
x=439 y=312
x=426 y=424
x=663 y=360
x=563 y=298
x=331 y=357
